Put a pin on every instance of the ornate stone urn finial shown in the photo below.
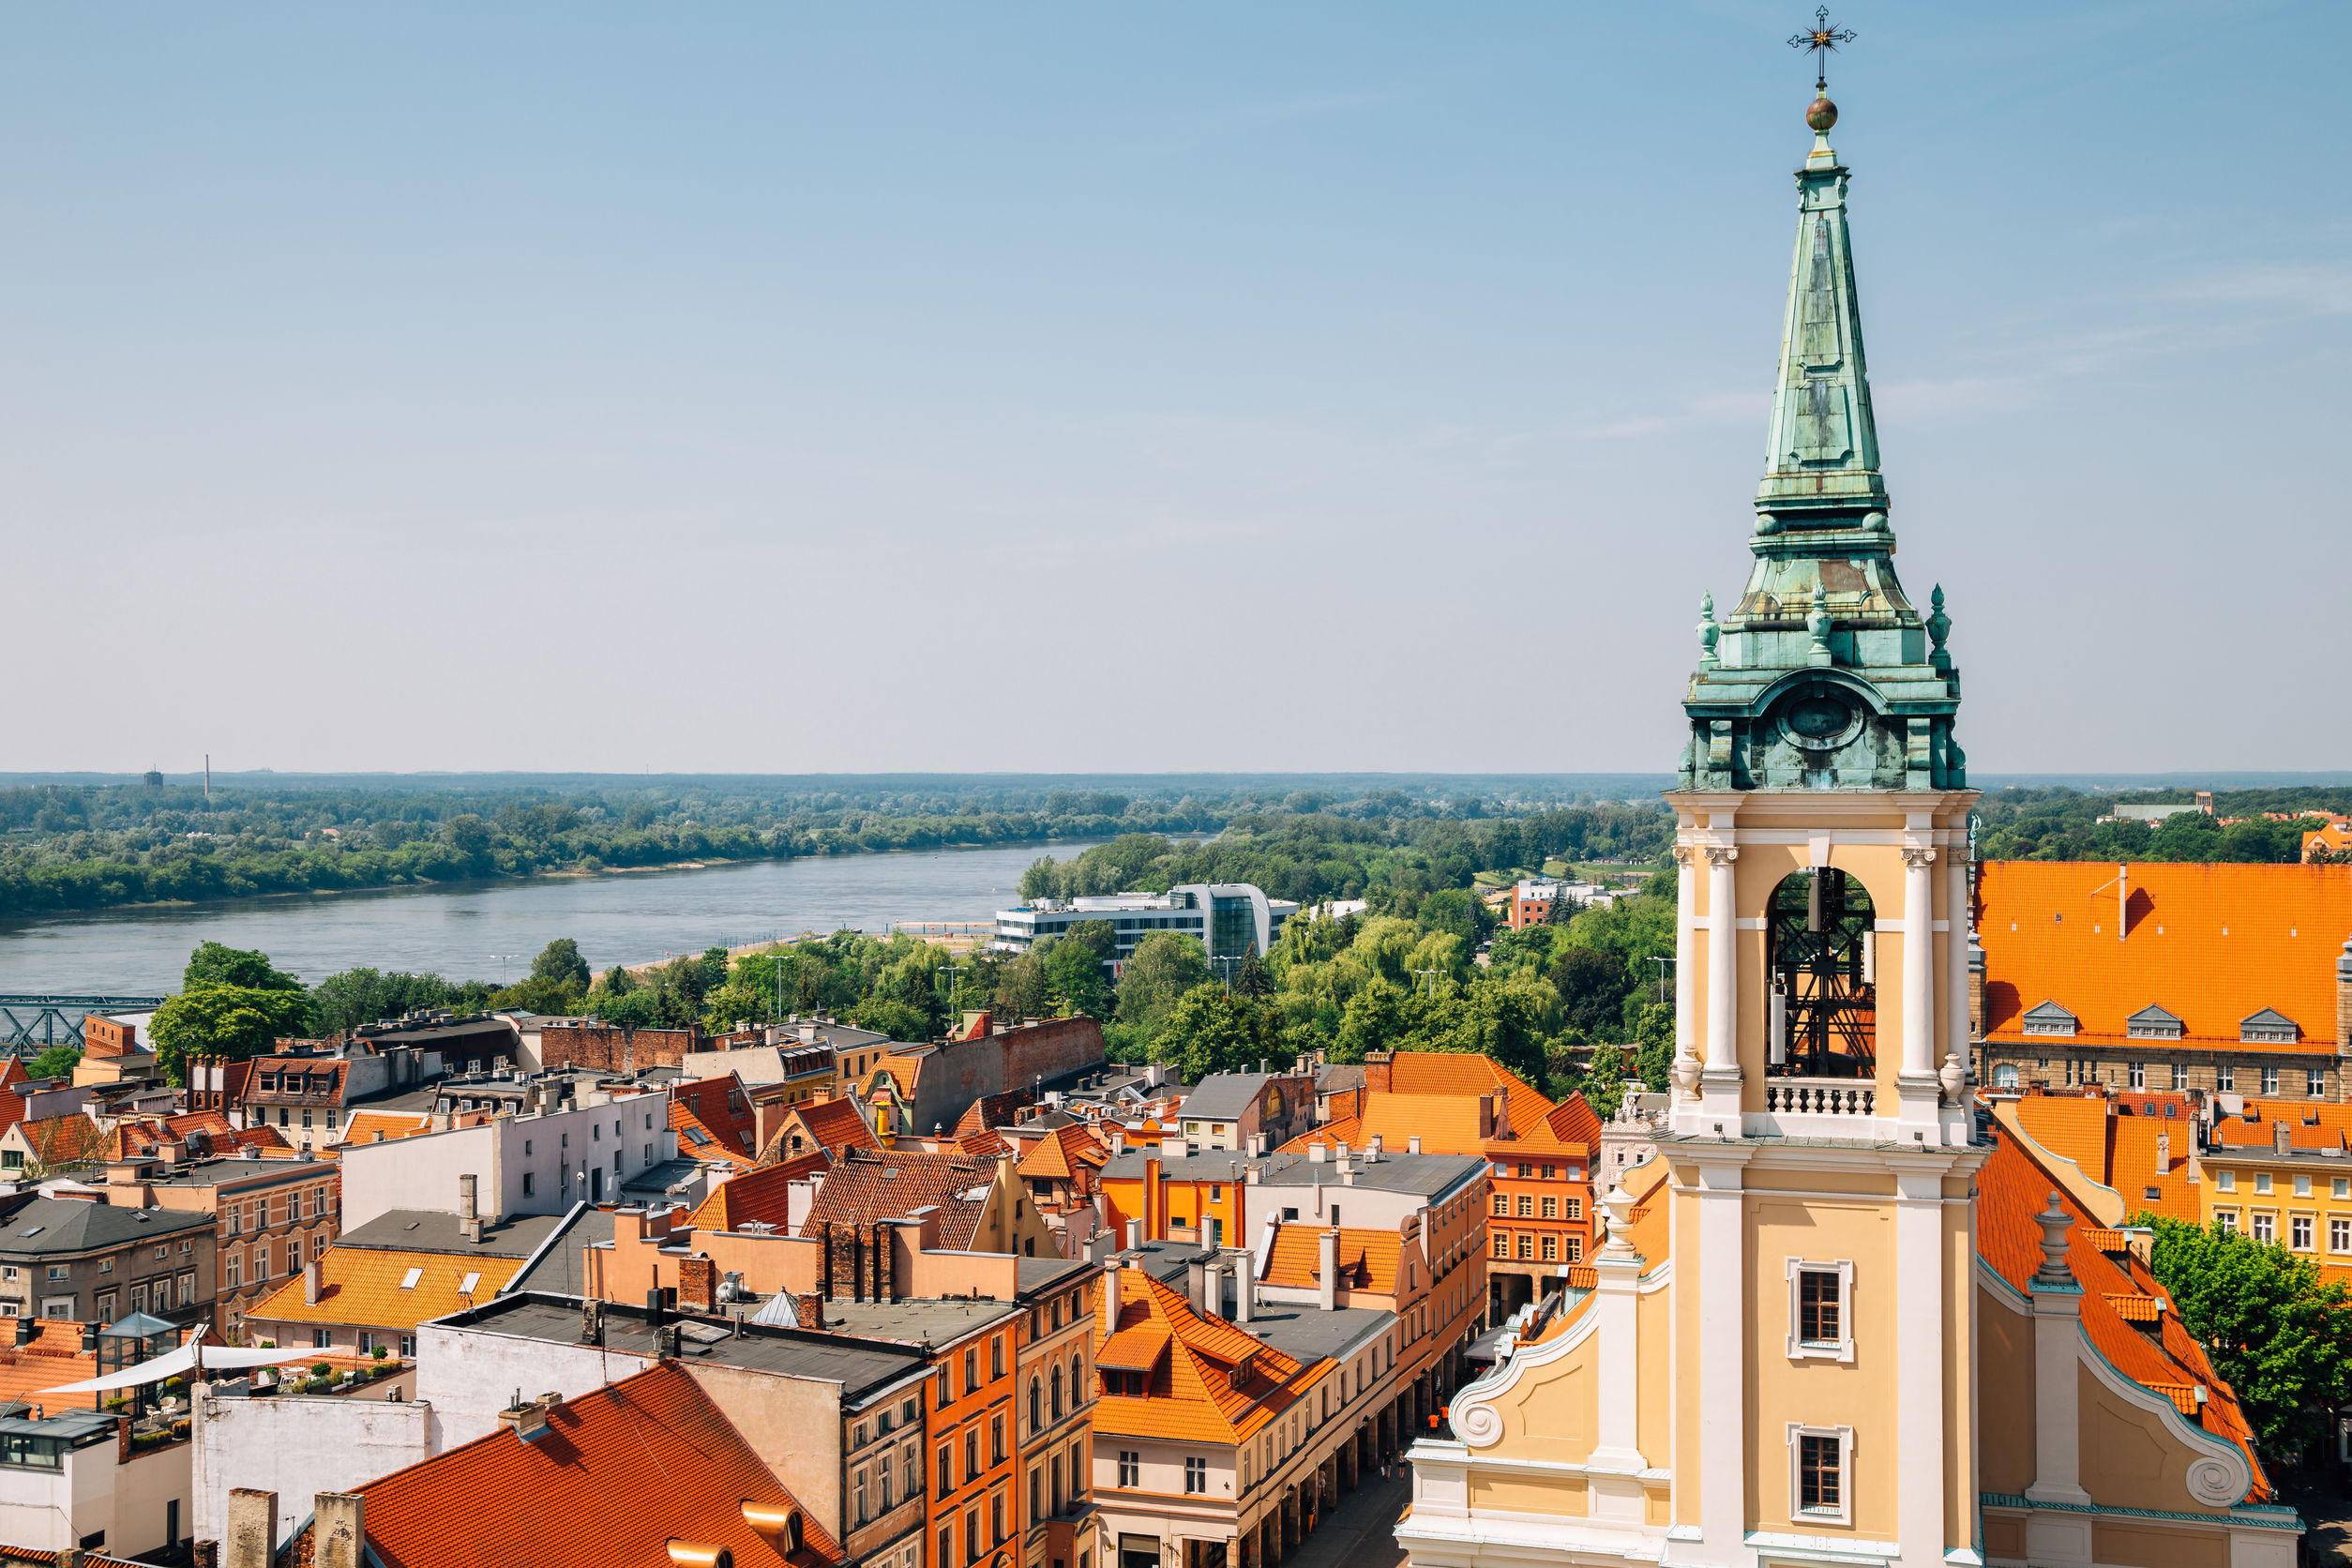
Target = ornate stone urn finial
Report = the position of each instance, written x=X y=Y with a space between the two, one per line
x=1939 y=627
x=1954 y=1077
x=2055 y=1222
x=1619 y=1205
x=1817 y=623
x=1707 y=630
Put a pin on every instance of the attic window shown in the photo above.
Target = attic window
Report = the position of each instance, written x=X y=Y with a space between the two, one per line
x=2152 y=1023
x=2269 y=1026
x=408 y=1281
x=2050 y=1019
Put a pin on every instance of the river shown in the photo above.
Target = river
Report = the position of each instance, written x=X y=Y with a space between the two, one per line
x=461 y=931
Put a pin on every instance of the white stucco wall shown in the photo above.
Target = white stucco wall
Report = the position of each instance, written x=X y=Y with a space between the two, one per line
x=468 y=1378
x=52 y=1509
x=297 y=1446
x=422 y=1172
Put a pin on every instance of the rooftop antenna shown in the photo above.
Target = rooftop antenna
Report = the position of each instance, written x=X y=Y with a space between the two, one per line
x=1820 y=40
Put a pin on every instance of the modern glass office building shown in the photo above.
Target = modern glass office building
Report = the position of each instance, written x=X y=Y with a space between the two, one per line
x=1230 y=918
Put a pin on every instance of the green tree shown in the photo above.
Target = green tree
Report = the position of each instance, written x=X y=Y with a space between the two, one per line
x=1163 y=966
x=1592 y=983
x=57 y=1062
x=1603 y=1086
x=1653 y=1036
x=232 y=965
x=2279 y=1332
x=1075 y=963
x=211 y=1018
x=353 y=997
x=560 y=963
x=1373 y=1019
x=1211 y=1031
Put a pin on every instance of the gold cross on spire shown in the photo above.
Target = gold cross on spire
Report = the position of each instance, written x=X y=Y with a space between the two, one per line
x=1821 y=39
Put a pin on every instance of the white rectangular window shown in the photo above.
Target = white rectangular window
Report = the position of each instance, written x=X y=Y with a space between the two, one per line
x=2226 y=1078
x=2139 y=1075
x=2179 y=1075
x=2315 y=1082
x=1820 y=1473
x=1130 y=1468
x=2266 y=1228
x=2340 y=1235
x=1820 y=1297
x=1196 y=1476
x=2299 y=1229
x=2270 y=1081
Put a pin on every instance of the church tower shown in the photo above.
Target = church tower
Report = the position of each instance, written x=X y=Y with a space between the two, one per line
x=1775 y=1361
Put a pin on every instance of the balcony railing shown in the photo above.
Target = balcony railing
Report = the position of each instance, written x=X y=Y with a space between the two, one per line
x=1819 y=1097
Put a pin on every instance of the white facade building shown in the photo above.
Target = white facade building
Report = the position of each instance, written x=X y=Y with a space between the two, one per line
x=1230 y=918
x=539 y=1163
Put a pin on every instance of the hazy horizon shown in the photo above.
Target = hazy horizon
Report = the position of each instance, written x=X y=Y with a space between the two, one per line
x=1318 y=389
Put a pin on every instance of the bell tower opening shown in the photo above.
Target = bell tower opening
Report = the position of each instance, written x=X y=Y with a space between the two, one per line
x=1822 y=1009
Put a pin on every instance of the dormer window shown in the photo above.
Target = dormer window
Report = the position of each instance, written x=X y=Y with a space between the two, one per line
x=2152 y=1023
x=2051 y=1019
x=2269 y=1026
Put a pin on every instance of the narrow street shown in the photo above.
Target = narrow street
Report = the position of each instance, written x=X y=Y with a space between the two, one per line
x=1360 y=1533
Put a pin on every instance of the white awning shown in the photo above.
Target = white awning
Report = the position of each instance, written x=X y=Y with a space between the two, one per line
x=173 y=1363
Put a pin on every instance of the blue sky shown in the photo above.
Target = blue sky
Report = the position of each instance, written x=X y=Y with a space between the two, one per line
x=766 y=387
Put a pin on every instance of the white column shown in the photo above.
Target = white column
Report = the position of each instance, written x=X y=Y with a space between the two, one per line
x=1685 y=976
x=1723 y=961
x=1918 y=963
x=1616 y=1462
x=1921 y=1289
x=1719 y=1301
x=1955 y=952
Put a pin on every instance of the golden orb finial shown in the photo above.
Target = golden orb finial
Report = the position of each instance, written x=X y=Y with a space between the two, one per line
x=1821 y=114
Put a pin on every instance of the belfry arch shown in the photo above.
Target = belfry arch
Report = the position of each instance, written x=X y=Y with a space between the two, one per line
x=1822 y=1011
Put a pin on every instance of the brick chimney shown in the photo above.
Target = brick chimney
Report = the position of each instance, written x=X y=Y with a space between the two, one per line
x=808 y=1309
x=1376 y=1070
x=1110 y=1299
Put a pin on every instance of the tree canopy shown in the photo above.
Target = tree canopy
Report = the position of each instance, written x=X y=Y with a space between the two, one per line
x=2278 y=1329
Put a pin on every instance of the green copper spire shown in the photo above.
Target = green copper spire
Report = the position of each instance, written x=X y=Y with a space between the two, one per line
x=1823 y=675
x=1822 y=463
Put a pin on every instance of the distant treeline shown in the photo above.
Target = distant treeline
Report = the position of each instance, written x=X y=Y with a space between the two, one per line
x=71 y=847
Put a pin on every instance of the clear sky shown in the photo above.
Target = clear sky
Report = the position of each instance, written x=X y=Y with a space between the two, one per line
x=1048 y=386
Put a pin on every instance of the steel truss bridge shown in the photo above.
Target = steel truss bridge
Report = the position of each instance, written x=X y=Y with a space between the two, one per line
x=36 y=1022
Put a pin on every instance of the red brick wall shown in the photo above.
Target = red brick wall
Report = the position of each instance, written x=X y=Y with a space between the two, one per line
x=609 y=1048
x=105 y=1038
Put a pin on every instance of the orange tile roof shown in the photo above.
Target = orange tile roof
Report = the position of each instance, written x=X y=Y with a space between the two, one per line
x=1367 y=1259
x=900 y=1070
x=2013 y=1186
x=1573 y=1121
x=758 y=1197
x=1191 y=1393
x=1462 y=1073
x=720 y=1109
x=1338 y=1130
x=364 y=1124
x=54 y=1356
x=1061 y=1154
x=1135 y=1350
x=833 y=1124
x=561 y=1498
x=363 y=1288
x=63 y=1140
x=2072 y=1126
x=2133 y=1167
x=2211 y=944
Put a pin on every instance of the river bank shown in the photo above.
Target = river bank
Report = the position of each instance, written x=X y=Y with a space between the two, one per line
x=491 y=930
